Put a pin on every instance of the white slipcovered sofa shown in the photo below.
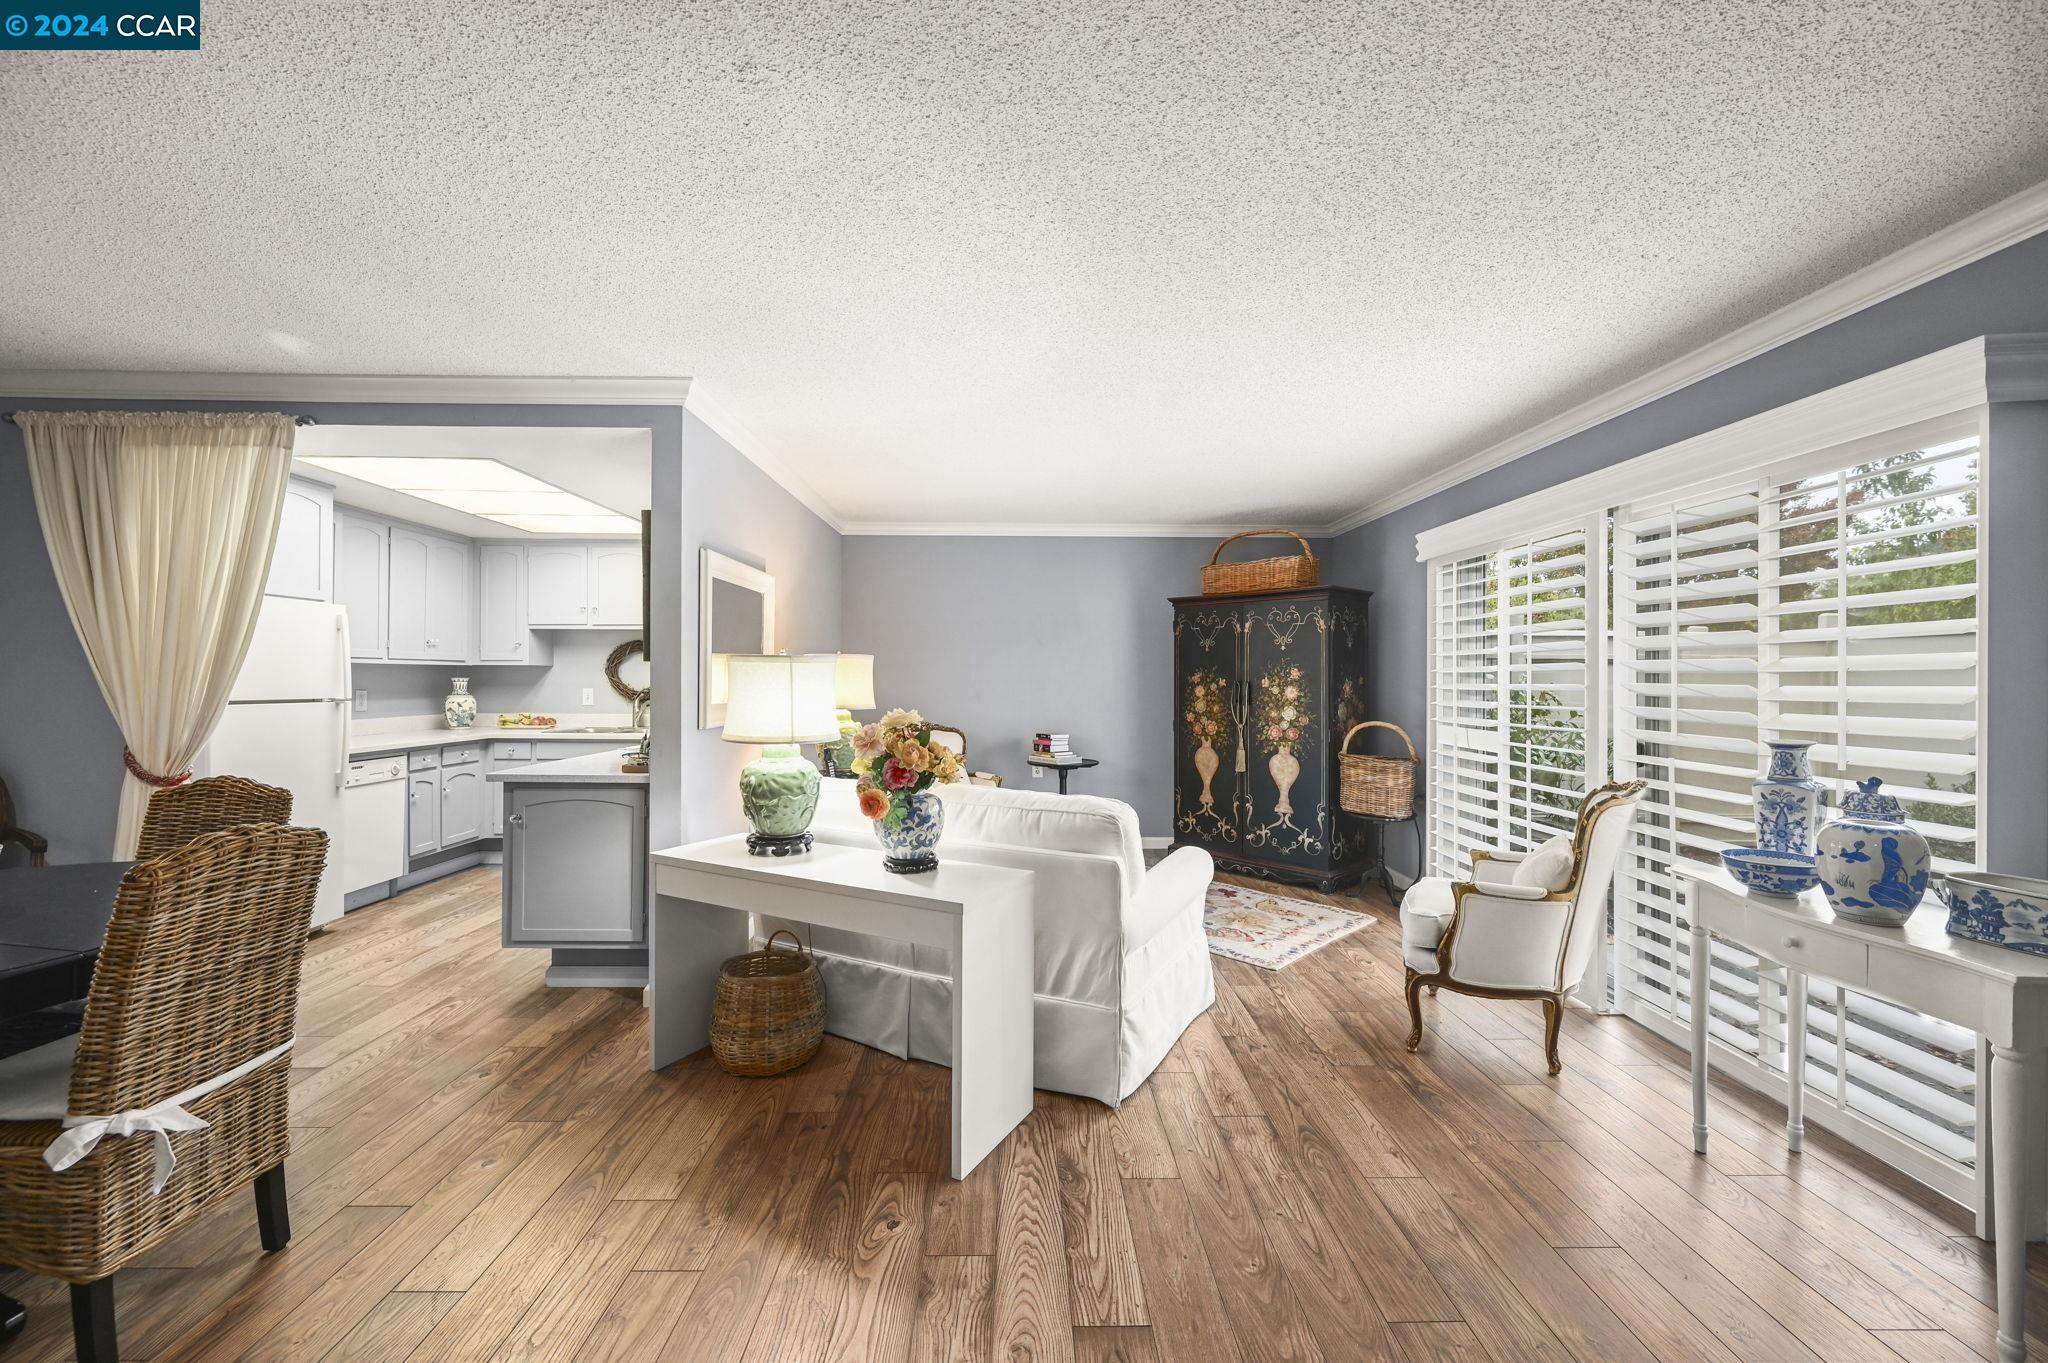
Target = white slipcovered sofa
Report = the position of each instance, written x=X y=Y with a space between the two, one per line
x=1122 y=963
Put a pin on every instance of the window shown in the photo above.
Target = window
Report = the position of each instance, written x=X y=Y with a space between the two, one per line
x=1833 y=604
x=1832 y=597
x=1512 y=710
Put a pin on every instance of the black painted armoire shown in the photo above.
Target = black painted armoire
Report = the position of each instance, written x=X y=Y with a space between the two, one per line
x=1265 y=686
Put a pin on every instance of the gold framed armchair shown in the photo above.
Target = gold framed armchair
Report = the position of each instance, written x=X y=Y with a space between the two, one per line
x=1525 y=924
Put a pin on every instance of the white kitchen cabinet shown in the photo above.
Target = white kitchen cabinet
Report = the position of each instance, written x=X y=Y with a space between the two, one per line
x=615 y=585
x=502 y=633
x=423 y=810
x=302 y=563
x=360 y=582
x=557 y=586
x=427 y=616
x=583 y=586
x=575 y=865
x=462 y=803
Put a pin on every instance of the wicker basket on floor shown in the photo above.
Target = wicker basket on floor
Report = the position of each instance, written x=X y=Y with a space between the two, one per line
x=1383 y=787
x=769 y=1014
x=1260 y=574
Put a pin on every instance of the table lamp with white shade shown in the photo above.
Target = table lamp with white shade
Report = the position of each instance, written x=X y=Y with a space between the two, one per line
x=853 y=689
x=779 y=701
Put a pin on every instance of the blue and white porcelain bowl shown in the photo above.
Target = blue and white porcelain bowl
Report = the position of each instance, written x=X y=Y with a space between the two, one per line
x=1785 y=873
x=2006 y=911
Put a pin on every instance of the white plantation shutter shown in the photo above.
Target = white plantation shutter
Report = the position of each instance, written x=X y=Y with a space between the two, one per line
x=1514 y=682
x=1832 y=599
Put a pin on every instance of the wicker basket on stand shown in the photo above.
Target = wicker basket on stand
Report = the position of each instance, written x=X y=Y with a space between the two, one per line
x=769 y=1013
x=1260 y=574
x=1383 y=787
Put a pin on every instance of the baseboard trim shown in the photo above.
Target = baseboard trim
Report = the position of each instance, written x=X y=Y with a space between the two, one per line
x=596 y=977
x=1155 y=844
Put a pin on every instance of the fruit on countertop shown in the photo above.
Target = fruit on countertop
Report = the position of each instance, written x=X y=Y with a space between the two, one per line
x=525 y=721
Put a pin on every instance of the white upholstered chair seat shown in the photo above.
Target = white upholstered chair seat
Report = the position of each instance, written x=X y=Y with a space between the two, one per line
x=1121 y=963
x=35 y=1085
x=1425 y=913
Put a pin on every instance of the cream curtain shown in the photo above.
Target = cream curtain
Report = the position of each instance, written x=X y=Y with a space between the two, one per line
x=160 y=527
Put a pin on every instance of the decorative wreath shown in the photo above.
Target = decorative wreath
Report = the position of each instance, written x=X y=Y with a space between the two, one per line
x=617 y=659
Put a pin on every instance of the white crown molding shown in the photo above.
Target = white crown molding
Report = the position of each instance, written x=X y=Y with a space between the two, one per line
x=1957 y=379
x=2003 y=224
x=1048 y=529
x=168 y=386
x=735 y=433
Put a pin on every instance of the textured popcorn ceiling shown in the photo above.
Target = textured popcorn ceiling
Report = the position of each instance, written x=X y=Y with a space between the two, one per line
x=1170 y=262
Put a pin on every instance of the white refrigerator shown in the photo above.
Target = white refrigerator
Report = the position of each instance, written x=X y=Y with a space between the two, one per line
x=287 y=722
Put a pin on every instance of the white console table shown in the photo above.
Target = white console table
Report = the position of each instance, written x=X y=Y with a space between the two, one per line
x=981 y=914
x=2001 y=994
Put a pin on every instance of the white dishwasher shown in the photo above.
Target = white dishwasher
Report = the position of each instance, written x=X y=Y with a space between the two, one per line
x=373 y=823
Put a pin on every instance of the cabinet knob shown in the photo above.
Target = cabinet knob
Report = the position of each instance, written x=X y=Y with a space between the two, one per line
x=515 y=819
x=1795 y=942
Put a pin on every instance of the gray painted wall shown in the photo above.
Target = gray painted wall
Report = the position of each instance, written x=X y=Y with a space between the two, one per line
x=1004 y=636
x=61 y=753
x=2005 y=292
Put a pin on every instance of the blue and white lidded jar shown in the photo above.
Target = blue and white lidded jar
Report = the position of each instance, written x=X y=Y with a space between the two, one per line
x=1788 y=801
x=1873 y=866
x=459 y=709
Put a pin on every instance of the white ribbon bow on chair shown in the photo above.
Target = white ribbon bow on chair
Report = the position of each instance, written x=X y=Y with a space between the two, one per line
x=83 y=1134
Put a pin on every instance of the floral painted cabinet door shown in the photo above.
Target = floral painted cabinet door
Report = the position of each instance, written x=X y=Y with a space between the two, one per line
x=1209 y=749
x=1286 y=670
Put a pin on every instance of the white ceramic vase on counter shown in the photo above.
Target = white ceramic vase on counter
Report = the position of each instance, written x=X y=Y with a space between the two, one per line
x=459 y=709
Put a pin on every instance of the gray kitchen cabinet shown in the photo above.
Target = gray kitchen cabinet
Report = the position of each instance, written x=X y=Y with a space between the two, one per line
x=503 y=752
x=302 y=562
x=427 y=615
x=360 y=582
x=557 y=586
x=462 y=803
x=502 y=634
x=575 y=866
x=423 y=810
x=615 y=585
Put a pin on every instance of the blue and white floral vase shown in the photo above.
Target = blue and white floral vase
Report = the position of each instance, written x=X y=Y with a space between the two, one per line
x=911 y=831
x=1788 y=801
x=459 y=709
x=1873 y=866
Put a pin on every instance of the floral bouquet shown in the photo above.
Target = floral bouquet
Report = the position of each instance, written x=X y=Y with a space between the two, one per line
x=1282 y=708
x=1207 y=715
x=895 y=759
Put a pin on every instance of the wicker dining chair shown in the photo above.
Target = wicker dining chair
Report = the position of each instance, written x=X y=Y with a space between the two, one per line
x=182 y=813
x=199 y=976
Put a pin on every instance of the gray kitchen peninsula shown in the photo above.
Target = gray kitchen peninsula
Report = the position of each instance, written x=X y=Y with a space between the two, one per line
x=575 y=879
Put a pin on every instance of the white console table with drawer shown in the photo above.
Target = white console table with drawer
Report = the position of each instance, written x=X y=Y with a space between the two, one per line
x=982 y=915
x=2000 y=994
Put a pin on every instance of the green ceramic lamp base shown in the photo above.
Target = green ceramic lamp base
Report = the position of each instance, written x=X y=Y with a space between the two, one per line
x=779 y=792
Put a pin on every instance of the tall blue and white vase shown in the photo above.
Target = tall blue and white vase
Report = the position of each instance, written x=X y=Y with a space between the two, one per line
x=1787 y=801
x=1872 y=865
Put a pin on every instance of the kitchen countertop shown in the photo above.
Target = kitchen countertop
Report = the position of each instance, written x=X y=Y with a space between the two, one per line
x=591 y=769
x=404 y=740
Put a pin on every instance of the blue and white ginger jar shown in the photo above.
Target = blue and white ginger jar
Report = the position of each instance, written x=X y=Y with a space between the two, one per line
x=1787 y=801
x=1872 y=865
x=911 y=831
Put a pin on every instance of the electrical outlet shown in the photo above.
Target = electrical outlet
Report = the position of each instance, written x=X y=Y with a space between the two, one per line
x=590 y=695
x=1037 y=773
x=362 y=702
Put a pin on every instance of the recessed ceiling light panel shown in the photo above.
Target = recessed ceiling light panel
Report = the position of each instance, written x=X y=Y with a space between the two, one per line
x=483 y=487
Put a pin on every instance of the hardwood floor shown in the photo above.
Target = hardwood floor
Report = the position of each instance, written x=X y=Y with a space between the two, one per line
x=483 y=1169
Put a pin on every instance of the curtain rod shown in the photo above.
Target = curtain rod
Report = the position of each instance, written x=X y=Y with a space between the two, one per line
x=296 y=421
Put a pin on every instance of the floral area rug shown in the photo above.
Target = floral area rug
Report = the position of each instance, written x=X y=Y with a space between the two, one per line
x=1265 y=930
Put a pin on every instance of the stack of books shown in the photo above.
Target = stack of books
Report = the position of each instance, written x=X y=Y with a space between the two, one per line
x=1053 y=750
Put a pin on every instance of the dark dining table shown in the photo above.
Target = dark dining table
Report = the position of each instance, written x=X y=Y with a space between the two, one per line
x=53 y=920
